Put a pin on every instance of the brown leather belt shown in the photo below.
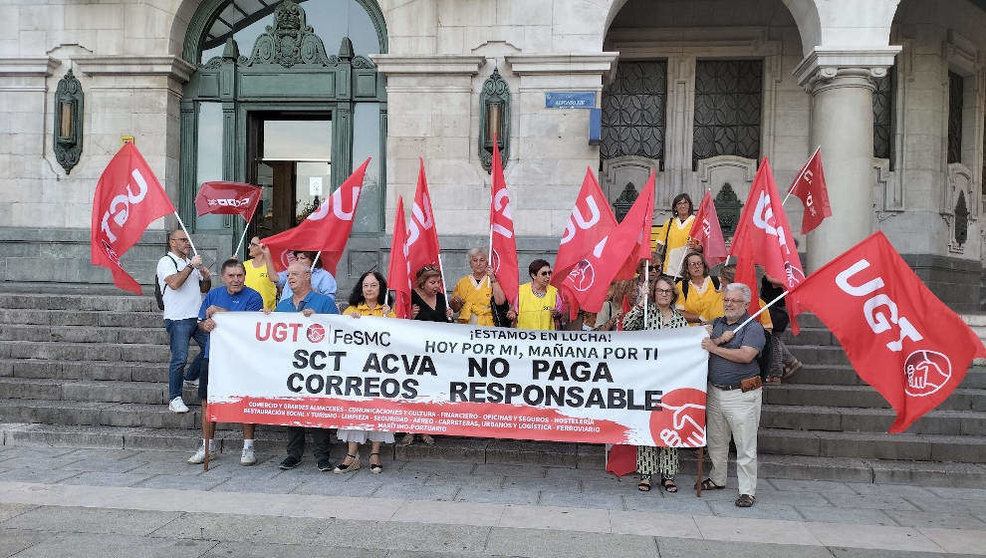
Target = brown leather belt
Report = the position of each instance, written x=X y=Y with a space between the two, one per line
x=730 y=388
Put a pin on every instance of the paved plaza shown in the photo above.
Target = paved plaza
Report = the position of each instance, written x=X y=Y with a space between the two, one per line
x=90 y=502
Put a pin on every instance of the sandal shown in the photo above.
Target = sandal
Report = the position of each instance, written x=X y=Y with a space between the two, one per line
x=348 y=467
x=375 y=468
x=669 y=485
x=745 y=501
x=644 y=484
x=428 y=440
x=791 y=368
x=773 y=379
x=707 y=484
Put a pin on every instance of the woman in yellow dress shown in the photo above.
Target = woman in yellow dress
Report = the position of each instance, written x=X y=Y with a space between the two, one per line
x=673 y=234
x=697 y=292
x=539 y=305
x=256 y=273
x=369 y=298
x=472 y=294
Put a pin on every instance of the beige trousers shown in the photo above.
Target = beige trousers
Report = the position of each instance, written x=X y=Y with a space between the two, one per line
x=733 y=414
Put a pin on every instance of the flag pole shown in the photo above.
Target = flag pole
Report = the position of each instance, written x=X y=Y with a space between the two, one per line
x=242 y=237
x=647 y=290
x=317 y=256
x=761 y=311
x=489 y=253
x=441 y=270
x=182 y=225
x=800 y=174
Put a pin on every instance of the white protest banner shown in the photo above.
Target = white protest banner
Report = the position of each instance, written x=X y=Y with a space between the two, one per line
x=330 y=371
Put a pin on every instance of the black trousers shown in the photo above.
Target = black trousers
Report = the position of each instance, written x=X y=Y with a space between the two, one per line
x=296 y=442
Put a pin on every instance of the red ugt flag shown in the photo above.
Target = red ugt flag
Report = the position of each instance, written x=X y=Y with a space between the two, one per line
x=810 y=187
x=591 y=220
x=706 y=230
x=590 y=278
x=503 y=245
x=128 y=198
x=900 y=339
x=422 y=236
x=397 y=277
x=227 y=198
x=326 y=229
x=764 y=225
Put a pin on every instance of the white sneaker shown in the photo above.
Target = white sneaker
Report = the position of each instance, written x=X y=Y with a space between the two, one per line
x=199 y=456
x=177 y=406
x=248 y=457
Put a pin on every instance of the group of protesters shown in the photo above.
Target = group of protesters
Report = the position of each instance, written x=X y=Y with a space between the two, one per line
x=653 y=300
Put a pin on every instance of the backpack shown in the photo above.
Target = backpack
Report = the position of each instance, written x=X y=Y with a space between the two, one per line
x=158 y=293
x=763 y=357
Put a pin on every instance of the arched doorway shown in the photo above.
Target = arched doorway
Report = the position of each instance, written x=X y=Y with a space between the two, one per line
x=284 y=96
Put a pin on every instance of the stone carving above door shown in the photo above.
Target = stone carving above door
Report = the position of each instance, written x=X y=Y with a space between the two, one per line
x=631 y=169
x=290 y=41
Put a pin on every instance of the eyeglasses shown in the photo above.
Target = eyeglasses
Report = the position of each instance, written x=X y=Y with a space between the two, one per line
x=545 y=273
x=254 y=245
x=664 y=291
x=429 y=268
x=734 y=300
x=181 y=239
x=697 y=263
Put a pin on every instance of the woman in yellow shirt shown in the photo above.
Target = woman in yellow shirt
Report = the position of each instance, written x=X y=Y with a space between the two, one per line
x=472 y=294
x=256 y=273
x=539 y=305
x=696 y=290
x=369 y=298
x=673 y=235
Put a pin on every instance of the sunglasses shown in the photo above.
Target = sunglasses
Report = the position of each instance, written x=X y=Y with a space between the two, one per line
x=545 y=273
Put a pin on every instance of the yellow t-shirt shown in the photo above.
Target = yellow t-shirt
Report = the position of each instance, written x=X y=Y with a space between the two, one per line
x=365 y=310
x=256 y=279
x=699 y=298
x=535 y=312
x=477 y=300
x=677 y=238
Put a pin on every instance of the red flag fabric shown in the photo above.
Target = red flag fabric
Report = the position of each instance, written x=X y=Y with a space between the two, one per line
x=809 y=186
x=422 y=236
x=326 y=229
x=764 y=225
x=746 y=273
x=397 y=276
x=227 y=198
x=621 y=459
x=591 y=220
x=900 y=338
x=503 y=244
x=706 y=230
x=591 y=276
x=128 y=198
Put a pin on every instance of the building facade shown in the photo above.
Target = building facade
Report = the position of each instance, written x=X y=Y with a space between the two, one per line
x=292 y=95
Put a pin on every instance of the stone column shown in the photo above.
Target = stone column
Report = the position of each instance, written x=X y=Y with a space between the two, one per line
x=841 y=85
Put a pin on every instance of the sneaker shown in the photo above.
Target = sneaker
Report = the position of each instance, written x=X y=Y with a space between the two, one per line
x=248 y=457
x=325 y=465
x=199 y=457
x=289 y=462
x=177 y=406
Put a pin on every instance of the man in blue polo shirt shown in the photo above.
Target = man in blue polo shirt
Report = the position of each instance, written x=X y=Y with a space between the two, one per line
x=232 y=297
x=303 y=299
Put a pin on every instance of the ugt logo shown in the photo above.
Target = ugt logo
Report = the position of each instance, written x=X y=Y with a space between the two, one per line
x=583 y=275
x=926 y=372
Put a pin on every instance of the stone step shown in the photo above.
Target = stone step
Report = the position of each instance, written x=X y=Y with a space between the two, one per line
x=145 y=393
x=81 y=301
x=85 y=352
x=91 y=413
x=863 y=396
x=820 y=354
x=838 y=419
x=809 y=336
x=34 y=316
x=84 y=334
x=919 y=447
x=122 y=371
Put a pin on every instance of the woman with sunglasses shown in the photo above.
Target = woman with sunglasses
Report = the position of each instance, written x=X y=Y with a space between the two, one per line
x=539 y=305
x=661 y=314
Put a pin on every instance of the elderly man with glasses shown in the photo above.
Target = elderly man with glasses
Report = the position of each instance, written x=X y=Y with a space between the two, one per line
x=735 y=393
x=182 y=281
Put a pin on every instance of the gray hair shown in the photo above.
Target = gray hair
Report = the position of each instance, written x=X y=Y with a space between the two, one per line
x=477 y=251
x=743 y=289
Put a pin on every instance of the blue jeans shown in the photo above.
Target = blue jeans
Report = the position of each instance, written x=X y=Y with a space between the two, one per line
x=180 y=332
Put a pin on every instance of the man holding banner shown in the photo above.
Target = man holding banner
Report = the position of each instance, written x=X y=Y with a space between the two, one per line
x=735 y=393
x=308 y=302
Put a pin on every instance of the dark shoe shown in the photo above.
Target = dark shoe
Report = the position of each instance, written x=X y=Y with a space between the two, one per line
x=669 y=485
x=344 y=467
x=375 y=468
x=745 y=501
x=289 y=462
x=707 y=484
x=324 y=465
x=791 y=368
x=644 y=484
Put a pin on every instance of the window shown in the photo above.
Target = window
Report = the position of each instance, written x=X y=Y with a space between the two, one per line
x=883 y=116
x=633 y=113
x=728 y=99
x=956 y=83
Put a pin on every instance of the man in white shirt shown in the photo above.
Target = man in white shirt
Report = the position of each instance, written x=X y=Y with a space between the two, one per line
x=182 y=281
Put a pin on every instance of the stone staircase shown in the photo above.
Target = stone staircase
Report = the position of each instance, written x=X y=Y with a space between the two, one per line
x=89 y=368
